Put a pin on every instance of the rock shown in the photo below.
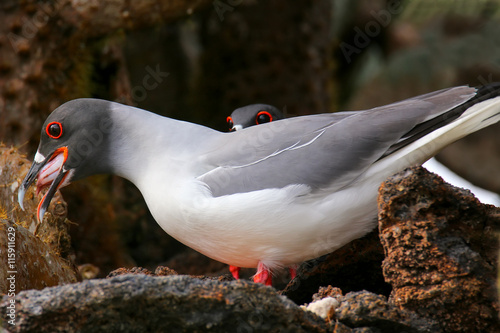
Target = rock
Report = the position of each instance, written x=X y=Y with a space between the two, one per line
x=374 y=314
x=34 y=266
x=54 y=229
x=364 y=311
x=160 y=271
x=42 y=260
x=338 y=327
x=141 y=303
x=133 y=270
x=355 y=266
x=441 y=251
x=326 y=292
x=165 y=271
x=325 y=307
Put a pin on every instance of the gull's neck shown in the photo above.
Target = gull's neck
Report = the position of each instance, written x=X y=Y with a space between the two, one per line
x=143 y=141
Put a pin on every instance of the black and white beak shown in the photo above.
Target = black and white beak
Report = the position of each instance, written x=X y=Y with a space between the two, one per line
x=50 y=172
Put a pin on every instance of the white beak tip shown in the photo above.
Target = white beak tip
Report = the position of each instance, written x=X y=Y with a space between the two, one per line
x=20 y=197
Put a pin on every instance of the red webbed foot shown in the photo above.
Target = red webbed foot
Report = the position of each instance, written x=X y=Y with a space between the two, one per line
x=293 y=271
x=263 y=275
x=235 y=271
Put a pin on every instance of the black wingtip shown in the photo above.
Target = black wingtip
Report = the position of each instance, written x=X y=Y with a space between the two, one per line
x=483 y=93
x=487 y=91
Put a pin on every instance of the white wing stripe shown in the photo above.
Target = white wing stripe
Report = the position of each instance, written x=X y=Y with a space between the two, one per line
x=292 y=147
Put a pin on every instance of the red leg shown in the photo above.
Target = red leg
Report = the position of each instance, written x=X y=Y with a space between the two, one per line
x=263 y=275
x=235 y=271
x=293 y=271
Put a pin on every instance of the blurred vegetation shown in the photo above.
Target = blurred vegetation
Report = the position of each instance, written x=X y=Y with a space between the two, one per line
x=428 y=45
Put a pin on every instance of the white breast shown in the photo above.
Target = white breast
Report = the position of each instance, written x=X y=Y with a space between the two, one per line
x=278 y=227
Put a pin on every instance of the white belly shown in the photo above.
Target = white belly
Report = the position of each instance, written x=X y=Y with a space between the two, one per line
x=278 y=227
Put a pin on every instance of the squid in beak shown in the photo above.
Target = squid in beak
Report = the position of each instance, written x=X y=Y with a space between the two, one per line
x=50 y=172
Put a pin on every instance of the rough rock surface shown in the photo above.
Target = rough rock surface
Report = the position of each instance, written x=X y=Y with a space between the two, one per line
x=355 y=266
x=141 y=303
x=179 y=303
x=328 y=291
x=42 y=260
x=35 y=265
x=363 y=311
x=54 y=229
x=441 y=251
x=372 y=312
x=164 y=271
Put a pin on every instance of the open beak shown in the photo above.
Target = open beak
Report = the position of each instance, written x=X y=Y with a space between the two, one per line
x=50 y=173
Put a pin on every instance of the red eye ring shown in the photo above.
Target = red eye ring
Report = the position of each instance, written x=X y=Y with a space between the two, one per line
x=265 y=114
x=229 y=121
x=54 y=130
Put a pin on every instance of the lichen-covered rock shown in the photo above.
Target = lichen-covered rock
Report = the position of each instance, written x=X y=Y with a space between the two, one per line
x=141 y=303
x=325 y=307
x=328 y=291
x=159 y=271
x=441 y=251
x=133 y=270
x=370 y=311
x=34 y=265
x=355 y=266
x=165 y=271
x=39 y=261
x=54 y=229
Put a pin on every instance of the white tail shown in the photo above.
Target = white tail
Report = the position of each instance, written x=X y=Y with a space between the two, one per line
x=473 y=119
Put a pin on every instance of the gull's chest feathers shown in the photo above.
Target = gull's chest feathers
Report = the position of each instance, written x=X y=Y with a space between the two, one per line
x=275 y=226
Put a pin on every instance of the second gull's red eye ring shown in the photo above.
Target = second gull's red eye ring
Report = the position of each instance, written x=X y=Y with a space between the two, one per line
x=263 y=117
x=229 y=121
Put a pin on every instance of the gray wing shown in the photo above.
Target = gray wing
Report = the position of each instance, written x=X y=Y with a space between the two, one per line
x=319 y=150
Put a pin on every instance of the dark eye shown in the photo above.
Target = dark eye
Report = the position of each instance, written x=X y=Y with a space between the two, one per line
x=263 y=117
x=230 y=123
x=54 y=130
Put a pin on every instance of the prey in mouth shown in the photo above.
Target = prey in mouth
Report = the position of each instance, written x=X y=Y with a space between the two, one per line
x=74 y=144
x=50 y=173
